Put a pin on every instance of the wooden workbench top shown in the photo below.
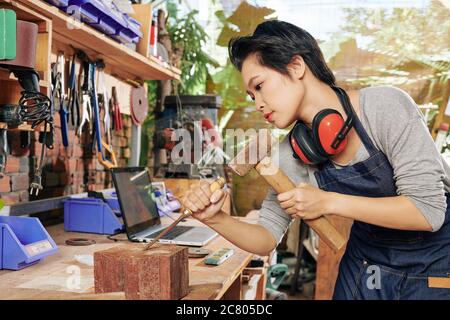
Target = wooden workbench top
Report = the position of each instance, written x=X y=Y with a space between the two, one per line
x=69 y=274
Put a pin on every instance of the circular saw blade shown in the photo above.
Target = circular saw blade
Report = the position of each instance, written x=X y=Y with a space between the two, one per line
x=139 y=105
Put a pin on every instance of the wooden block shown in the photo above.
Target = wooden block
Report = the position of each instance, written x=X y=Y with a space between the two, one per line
x=160 y=273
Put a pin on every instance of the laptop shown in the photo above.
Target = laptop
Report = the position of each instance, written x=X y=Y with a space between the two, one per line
x=140 y=213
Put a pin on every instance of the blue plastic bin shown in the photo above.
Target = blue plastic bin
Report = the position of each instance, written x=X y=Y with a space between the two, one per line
x=111 y=21
x=61 y=4
x=132 y=33
x=113 y=203
x=90 y=215
x=23 y=242
x=89 y=11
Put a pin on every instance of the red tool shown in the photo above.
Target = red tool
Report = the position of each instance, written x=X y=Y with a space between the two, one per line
x=117 y=117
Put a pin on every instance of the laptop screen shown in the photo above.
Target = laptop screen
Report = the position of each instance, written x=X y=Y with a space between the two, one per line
x=139 y=211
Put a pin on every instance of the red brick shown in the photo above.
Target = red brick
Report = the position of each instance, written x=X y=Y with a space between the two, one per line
x=24 y=195
x=11 y=198
x=12 y=165
x=35 y=148
x=48 y=152
x=77 y=151
x=127 y=133
x=25 y=165
x=5 y=184
x=71 y=136
x=92 y=165
x=59 y=165
x=20 y=182
x=64 y=179
x=126 y=120
x=160 y=273
x=80 y=165
x=72 y=165
x=65 y=152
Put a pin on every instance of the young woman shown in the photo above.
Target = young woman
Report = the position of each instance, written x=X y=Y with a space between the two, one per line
x=385 y=172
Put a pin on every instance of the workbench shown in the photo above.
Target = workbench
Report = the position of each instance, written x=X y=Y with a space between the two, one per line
x=63 y=276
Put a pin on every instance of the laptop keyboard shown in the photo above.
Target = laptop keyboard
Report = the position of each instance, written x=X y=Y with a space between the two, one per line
x=172 y=234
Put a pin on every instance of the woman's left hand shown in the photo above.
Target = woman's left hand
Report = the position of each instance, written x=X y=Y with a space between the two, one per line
x=306 y=202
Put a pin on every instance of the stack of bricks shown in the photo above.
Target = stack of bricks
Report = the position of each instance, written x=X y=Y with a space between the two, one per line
x=67 y=170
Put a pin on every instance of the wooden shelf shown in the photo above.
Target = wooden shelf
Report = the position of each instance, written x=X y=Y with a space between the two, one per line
x=5 y=75
x=23 y=127
x=121 y=61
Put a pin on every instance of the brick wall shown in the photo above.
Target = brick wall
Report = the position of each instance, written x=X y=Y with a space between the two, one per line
x=70 y=170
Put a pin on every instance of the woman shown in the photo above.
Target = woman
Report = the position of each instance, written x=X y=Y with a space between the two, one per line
x=385 y=173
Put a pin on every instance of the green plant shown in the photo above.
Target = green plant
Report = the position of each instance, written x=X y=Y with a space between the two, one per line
x=189 y=36
x=148 y=127
x=409 y=48
x=228 y=81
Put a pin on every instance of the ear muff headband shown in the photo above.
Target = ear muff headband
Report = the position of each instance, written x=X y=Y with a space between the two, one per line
x=350 y=112
x=303 y=145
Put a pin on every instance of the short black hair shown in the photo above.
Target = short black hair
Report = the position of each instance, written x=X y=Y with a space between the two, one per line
x=276 y=43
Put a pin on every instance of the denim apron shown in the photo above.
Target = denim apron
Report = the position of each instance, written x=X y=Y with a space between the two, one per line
x=382 y=263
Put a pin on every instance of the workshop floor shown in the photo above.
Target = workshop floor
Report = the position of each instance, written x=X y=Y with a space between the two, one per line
x=305 y=290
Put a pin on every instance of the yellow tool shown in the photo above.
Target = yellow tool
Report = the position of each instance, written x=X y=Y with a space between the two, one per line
x=108 y=164
x=215 y=185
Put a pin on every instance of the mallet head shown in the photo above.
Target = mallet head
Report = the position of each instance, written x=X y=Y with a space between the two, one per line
x=252 y=153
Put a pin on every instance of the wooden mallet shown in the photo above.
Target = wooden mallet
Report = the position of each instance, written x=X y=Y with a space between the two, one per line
x=256 y=154
x=215 y=185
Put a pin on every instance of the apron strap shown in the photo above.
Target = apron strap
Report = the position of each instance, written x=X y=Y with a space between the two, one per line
x=365 y=139
x=362 y=133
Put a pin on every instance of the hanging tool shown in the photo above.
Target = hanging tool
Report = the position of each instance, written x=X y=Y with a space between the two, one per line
x=3 y=151
x=74 y=98
x=86 y=88
x=138 y=104
x=63 y=113
x=215 y=185
x=101 y=145
x=117 y=117
x=105 y=104
x=96 y=112
x=58 y=95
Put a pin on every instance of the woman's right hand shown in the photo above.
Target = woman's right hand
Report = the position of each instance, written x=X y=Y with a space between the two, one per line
x=203 y=203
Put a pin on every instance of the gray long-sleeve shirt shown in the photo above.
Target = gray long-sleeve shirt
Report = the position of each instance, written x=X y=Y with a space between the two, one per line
x=398 y=129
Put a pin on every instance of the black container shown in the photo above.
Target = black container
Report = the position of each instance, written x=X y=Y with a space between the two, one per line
x=194 y=108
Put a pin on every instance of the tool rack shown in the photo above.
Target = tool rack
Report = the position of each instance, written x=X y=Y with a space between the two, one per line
x=58 y=31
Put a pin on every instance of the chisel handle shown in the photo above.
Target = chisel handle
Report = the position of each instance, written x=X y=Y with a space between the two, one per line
x=215 y=185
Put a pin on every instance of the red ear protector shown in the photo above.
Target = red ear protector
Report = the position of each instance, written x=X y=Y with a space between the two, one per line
x=328 y=135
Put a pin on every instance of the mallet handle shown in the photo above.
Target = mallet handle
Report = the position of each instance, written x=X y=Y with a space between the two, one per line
x=281 y=183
